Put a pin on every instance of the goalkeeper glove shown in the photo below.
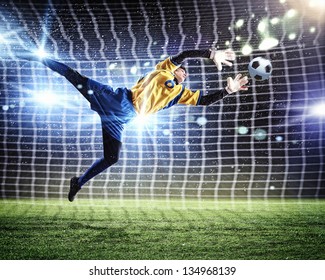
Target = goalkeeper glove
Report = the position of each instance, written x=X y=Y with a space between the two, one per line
x=236 y=84
x=222 y=57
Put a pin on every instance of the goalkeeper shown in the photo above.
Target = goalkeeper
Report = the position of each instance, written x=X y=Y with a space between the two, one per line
x=160 y=89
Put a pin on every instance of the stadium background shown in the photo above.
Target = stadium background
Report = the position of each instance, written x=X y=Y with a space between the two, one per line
x=268 y=142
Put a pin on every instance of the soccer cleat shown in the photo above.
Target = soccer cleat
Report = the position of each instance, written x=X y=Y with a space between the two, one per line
x=74 y=188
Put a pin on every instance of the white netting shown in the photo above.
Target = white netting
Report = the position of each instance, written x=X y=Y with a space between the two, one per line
x=268 y=142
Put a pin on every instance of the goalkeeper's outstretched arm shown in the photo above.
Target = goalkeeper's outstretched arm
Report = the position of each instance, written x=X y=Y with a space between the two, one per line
x=219 y=58
x=233 y=85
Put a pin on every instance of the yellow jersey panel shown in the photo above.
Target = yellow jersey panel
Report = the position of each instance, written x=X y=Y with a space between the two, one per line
x=158 y=90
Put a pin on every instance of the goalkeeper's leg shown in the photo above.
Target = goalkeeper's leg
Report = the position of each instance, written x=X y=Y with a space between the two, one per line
x=112 y=149
x=79 y=81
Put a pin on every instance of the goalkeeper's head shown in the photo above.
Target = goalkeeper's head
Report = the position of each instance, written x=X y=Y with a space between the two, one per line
x=180 y=74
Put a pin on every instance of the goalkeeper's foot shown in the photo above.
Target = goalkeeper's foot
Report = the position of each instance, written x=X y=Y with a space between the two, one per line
x=74 y=188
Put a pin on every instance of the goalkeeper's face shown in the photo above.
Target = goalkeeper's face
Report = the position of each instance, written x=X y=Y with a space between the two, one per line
x=180 y=75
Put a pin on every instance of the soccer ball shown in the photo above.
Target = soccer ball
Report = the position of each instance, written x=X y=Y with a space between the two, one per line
x=260 y=68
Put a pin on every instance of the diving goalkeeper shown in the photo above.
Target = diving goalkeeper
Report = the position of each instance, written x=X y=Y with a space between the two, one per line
x=158 y=90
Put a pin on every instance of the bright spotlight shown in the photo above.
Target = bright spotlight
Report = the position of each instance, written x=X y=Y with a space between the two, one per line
x=319 y=110
x=41 y=53
x=141 y=121
x=46 y=97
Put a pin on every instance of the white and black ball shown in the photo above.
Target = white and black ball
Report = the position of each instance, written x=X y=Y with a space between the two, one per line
x=260 y=68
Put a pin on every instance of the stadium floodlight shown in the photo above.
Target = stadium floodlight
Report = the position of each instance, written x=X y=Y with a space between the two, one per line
x=41 y=53
x=141 y=122
x=46 y=97
x=319 y=110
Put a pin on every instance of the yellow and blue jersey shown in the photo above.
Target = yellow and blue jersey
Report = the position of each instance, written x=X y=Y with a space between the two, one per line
x=158 y=90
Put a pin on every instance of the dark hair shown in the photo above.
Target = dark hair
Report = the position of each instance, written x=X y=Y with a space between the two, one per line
x=183 y=67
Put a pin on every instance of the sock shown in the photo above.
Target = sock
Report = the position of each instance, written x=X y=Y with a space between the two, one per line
x=97 y=167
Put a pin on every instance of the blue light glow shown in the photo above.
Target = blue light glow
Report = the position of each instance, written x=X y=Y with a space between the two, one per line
x=319 y=110
x=47 y=97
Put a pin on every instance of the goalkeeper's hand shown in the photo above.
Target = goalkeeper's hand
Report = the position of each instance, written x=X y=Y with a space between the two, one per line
x=222 y=57
x=239 y=83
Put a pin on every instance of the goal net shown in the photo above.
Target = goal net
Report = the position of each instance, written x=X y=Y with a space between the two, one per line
x=264 y=143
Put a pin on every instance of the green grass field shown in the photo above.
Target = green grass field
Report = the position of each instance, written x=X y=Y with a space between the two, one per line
x=161 y=230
